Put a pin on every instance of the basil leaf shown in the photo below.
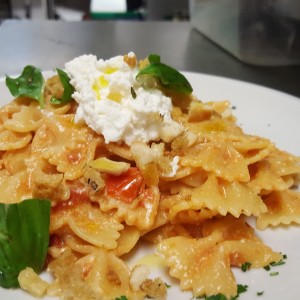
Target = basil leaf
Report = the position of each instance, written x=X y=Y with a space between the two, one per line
x=168 y=77
x=24 y=238
x=29 y=84
x=154 y=58
x=68 y=88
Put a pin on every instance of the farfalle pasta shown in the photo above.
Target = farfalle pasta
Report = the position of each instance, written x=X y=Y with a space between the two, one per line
x=189 y=193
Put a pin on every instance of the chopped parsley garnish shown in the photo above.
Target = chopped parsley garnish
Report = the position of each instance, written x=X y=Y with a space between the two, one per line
x=240 y=289
x=121 y=298
x=133 y=93
x=214 y=297
x=260 y=293
x=274 y=264
x=279 y=263
x=267 y=268
x=246 y=266
x=274 y=273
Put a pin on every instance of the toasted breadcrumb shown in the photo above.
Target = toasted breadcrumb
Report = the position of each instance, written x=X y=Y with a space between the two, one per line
x=154 y=288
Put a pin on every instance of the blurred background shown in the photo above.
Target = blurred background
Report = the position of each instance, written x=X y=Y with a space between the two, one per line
x=259 y=32
x=75 y=10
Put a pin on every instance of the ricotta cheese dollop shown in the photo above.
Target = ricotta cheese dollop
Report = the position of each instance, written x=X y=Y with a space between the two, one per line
x=113 y=103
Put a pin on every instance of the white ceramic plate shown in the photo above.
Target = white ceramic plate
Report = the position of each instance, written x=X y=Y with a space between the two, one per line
x=263 y=112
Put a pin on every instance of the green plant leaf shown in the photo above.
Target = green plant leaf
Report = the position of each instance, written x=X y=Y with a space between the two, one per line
x=154 y=58
x=29 y=84
x=24 y=238
x=167 y=76
x=68 y=88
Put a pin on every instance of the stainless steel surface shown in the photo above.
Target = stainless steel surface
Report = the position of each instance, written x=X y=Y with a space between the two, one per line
x=264 y=33
x=49 y=44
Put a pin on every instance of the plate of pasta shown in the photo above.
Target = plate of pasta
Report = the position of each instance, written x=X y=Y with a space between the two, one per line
x=208 y=210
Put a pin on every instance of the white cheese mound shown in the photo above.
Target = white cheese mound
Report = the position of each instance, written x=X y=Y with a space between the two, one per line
x=107 y=104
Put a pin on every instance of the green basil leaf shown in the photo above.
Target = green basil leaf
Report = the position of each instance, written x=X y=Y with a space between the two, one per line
x=24 y=238
x=168 y=77
x=154 y=58
x=68 y=88
x=29 y=84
